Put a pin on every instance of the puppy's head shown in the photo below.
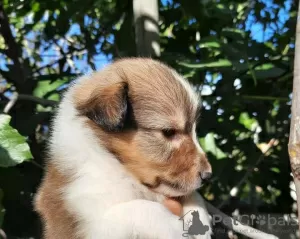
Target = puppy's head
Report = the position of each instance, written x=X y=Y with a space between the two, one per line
x=145 y=114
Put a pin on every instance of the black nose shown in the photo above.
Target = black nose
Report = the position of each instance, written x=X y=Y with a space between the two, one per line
x=205 y=175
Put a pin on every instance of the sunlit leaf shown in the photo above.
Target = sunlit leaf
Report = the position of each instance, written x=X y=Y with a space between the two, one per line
x=249 y=123
x=35 y=7
x=13 y=147
x=212 y=44
x=44 y=87
x=209 y=145
x=275 y=170
x=211 y=64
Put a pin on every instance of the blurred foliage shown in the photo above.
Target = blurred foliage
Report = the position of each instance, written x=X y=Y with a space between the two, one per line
x=239 y=54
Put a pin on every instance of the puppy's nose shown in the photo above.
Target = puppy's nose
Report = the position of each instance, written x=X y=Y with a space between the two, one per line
x=205 y=175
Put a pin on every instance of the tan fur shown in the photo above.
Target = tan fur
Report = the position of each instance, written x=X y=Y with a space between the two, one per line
x=49 y=204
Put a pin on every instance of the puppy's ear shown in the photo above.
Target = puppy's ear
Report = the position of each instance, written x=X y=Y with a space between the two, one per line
x=107 y=107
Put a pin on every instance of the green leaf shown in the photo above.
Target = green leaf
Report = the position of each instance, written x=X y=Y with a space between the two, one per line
x=210 y=42
x=48 y=89
x=266 y=71
x=209 y=145
x=249 y=123
x=210 y=64
x=35 y=7
x=275 y=170
x=252 y=72
x=270 y=45
x=234 y=33
x=44 y=87
x=13 y=147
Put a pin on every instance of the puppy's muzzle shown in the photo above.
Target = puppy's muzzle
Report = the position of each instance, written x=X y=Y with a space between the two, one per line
x=205 y=175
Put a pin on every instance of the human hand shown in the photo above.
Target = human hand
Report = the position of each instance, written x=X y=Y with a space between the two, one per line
x=174 y=206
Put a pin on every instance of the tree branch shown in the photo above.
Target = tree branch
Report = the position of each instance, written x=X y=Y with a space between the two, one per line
x=10 y=103
x=38 y=100
x=260 y=97
x=2 y=234
x=294 y=140
x=146 y=27
x=31 y=98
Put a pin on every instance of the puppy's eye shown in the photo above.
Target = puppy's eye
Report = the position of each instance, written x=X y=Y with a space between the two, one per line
x=169 y=133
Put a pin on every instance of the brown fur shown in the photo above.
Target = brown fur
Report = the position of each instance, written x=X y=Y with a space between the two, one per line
x=49 y=204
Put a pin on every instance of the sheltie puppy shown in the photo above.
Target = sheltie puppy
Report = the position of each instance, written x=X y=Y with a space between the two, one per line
x=123 y=140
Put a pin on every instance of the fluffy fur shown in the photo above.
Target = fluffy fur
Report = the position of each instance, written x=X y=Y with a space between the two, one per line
x=123 y=139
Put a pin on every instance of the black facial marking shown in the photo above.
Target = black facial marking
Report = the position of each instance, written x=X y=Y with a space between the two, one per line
x=113 y=113
x=130 y=121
